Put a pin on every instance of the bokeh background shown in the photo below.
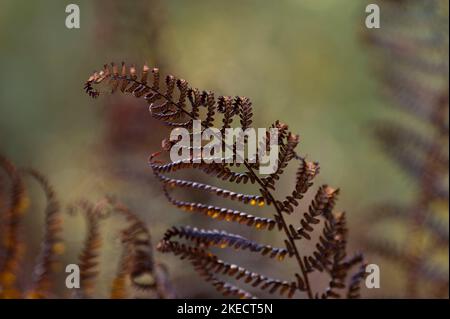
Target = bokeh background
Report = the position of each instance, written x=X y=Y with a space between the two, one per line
x=302 y=62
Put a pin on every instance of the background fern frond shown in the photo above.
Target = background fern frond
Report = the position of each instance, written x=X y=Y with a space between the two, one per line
x=12 y=247
x=413 y=71
x=52 y=245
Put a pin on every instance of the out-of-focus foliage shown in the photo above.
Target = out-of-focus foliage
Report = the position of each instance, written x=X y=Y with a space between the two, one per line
x=412 y=64
x=138 y=275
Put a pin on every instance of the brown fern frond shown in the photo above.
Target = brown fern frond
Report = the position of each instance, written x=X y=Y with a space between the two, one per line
x=286 y=154
x=305 y=174
x=244 y=107
x=179 y=105
x=228 y=289
x=322 y=205
x=354 y=289
x=119 y=284
x=137 y=261
x=221 y=213
x=12 y=246
x=409 y=148
x=222 y=239
x=215 y=169
x=52 y=244
x=253 y=200
x=413 y=66
x=413 y=69
x=89 y=256
x=339 y=264
x=329 y=243
x=207 y=264
x=136 y=239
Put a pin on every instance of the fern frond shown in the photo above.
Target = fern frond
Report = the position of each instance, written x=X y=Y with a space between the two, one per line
x=221 y=213
x=253 y=200
x=354 y=289
x=286 y=154
x=207 y=264
x=181 y=112
x=322 y=205
x=218 y=170
x=413 y=68
x=339 y=264
x=52 y=244
x=11 y=244
x=409 y=148
x=137 y=261
x=222 y=239
x=227 y=289
x=119 y=284
x=89 y=256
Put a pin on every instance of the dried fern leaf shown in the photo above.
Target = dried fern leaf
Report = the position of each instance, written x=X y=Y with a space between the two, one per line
x=52 y=245
x=181 y=112
x=11 y=244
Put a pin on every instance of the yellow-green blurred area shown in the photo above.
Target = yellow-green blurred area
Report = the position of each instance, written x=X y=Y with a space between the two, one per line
x=302 y=62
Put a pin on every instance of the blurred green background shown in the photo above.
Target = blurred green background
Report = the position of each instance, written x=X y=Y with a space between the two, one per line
x=302 y=62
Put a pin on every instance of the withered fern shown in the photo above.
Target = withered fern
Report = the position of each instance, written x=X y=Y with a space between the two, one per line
x=137 y=262
x=89 y=255
x=138 y=275
x=52 y=244
x=119 y=285
x=16 y=202
x=12 y=247
x=137 y=267
x=178 y=105
x=412 y=54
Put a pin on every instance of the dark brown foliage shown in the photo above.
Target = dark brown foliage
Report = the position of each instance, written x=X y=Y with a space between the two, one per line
x=178 y=105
